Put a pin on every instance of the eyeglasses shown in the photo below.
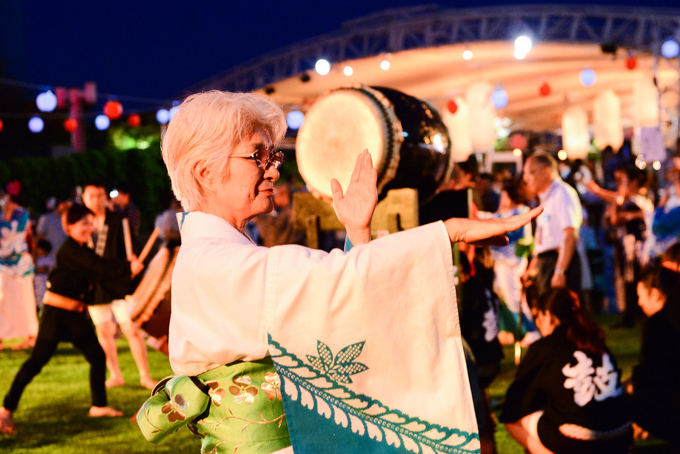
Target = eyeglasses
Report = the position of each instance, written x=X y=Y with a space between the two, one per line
x=265 y=157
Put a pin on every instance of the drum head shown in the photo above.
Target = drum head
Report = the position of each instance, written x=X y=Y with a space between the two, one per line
x=337 y=128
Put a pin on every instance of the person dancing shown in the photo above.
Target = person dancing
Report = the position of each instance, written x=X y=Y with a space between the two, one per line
x=238 y=310
x=76 y=271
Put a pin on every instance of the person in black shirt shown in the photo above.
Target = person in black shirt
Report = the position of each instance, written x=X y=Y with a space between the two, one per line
x=656 y=396
x=567 y=396
x=71 y=285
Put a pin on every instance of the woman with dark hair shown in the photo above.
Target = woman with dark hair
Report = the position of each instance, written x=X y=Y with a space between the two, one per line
x=18 y=317
x=71 y=286
x=567 y=395
x=654 y=383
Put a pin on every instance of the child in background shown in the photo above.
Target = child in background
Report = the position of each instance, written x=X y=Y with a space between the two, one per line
x=43 y=264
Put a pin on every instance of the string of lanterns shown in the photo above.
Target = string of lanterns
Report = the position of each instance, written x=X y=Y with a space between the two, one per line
x=48 y=101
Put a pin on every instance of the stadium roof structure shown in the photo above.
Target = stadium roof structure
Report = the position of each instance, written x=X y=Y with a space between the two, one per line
x=424 y=46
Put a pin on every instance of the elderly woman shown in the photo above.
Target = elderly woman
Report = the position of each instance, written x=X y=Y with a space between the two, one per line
x=363 y=347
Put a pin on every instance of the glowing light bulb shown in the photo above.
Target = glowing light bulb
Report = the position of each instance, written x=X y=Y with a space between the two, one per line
x=385 y=65
x=348 y=70
x=322 y=66
x=523 y=44
x=163 y=116
x=467 y=54
x=562 y=155
x=517 y=152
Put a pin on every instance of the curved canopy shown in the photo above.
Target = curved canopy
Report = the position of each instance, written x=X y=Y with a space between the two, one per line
x=424 y=47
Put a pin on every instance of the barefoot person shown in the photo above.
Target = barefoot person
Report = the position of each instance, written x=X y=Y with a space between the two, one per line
x=64 y=318
x=362 y=335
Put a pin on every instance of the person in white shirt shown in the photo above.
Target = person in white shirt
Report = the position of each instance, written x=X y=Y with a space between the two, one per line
x=555 y=263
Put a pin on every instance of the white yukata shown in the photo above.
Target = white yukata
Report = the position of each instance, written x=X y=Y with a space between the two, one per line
x=366 y=343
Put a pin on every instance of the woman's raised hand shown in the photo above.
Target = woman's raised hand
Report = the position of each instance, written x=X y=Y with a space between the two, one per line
x=355 y=208
x=487 y=232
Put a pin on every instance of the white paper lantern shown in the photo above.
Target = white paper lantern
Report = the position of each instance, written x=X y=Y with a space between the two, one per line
x=646 y=103
x=608 y=129
x=36 y=124
x=458 y=125
x=163 y=116
x=575 y=137
x=482 y=116
x=102 y=122
x=46 y=101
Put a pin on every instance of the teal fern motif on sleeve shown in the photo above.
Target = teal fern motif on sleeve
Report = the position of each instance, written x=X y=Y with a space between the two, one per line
x=342 y=366
x=322 y=388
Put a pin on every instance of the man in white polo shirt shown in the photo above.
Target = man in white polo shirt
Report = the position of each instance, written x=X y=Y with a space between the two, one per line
x=555 y=262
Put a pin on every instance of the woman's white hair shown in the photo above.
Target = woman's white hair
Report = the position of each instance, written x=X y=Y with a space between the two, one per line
x=205 y=131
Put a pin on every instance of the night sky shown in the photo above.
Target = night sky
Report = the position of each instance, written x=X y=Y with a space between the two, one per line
x=157 y=49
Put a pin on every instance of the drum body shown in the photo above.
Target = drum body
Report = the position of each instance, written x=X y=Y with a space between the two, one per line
x=408 y=141
x=151 y=299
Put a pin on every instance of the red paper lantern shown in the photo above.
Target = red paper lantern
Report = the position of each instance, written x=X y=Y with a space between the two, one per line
x=631 y=62
x=71 y=124
x=1 y=125
x=134 y=120
x=113 y=110
x=452 y=106
x=544 y=89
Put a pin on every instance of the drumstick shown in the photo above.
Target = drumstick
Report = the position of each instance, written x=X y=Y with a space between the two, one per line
x=127 y=238
x=149 y=244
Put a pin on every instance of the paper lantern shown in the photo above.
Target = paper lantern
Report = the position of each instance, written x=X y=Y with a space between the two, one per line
x=294 y=119
x=134 y=120
x=587 y=77
x=607 y=126
x=458 y=124
x=451 y=106
x=113 y=110
x=499 y=97
x=631 y=62
x=46 y=101
x=544 y=89
x=482 y=115
x=71 y=124
x=36 y=124
x=670 y=48
x=575 y=137
x=163 y=116
x=102 y=122
x=518 y=140
x=645 y=103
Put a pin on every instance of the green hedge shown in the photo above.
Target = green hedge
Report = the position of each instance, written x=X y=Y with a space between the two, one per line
x=143 y=170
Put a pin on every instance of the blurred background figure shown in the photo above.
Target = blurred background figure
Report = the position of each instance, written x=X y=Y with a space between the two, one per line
x=510 y=263
x=49 y=225
x=124 y=206
x=277 y=227
x=18 y=316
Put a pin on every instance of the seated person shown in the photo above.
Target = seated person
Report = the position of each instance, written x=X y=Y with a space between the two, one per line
x=479 y=313
x=70 y=287
x=656 y=396
x=567 y=395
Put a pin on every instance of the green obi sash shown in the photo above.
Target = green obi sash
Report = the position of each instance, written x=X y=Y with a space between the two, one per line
x=234 y=409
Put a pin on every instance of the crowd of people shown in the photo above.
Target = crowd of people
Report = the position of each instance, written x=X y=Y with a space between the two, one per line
x=533 y=284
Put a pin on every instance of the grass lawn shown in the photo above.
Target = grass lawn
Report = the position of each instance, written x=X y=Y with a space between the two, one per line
x=52 y=415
